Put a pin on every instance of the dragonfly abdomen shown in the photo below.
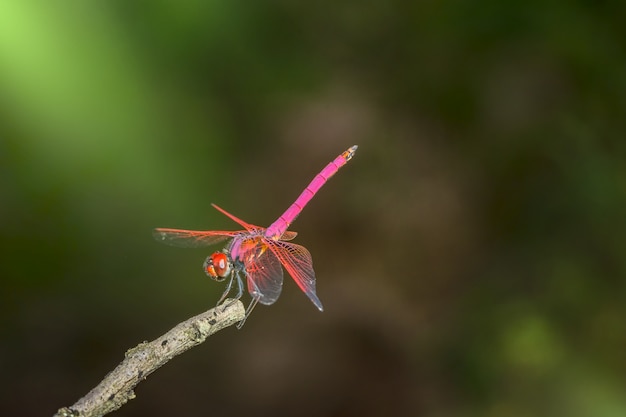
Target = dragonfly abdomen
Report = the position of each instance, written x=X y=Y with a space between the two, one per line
x=279 y=227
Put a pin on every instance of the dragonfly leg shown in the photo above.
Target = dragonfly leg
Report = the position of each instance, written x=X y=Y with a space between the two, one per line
x=251 y=306
x=227 y=290
x=235 y=275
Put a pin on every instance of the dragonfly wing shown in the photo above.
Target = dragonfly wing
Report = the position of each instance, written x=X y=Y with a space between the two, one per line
x=191 y=238
x=236 y=219
x=288 y=235
x=298 y=262
x=265 y=277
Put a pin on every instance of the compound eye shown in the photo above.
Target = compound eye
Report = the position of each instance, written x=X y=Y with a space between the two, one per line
x=217 y=265
x=209 y=269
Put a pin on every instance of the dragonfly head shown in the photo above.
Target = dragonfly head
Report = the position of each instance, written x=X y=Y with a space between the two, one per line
x=218 y=265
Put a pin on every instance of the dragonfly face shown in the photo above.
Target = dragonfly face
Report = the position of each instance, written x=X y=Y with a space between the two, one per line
x=218 y=266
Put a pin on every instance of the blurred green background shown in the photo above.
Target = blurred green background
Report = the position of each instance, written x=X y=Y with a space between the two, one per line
x=471 y=258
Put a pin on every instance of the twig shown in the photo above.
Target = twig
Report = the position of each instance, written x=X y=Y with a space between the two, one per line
x=116 y=389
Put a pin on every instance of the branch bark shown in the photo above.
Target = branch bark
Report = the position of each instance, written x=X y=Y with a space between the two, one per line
x=116 y=389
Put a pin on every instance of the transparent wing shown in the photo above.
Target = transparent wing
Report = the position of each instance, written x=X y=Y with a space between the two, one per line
x=288 y=235
x=191 y=238
x=265 y=276
x=298 y=262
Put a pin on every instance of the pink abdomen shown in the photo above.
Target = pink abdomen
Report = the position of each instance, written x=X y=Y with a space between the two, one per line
x=276 y=229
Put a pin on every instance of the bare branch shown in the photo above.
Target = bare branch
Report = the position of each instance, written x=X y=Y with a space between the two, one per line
x=117 y=387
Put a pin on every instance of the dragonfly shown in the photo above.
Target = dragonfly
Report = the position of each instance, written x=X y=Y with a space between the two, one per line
x=256 y=254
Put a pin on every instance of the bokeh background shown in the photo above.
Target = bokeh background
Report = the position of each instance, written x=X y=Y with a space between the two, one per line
x=471 y=257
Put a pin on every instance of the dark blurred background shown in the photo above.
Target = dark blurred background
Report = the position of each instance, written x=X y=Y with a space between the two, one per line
x=471 y=257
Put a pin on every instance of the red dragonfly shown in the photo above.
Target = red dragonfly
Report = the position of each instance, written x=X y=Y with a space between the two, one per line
x=256 y=254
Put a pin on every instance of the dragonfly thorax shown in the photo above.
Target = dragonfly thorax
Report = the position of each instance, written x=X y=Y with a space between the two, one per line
x=245 y=249
x=218 y=265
